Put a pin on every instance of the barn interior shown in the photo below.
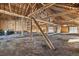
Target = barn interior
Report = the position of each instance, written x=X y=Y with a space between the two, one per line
x=39 y=29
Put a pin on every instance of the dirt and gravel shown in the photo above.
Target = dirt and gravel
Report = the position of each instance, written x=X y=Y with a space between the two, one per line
x=24 y=46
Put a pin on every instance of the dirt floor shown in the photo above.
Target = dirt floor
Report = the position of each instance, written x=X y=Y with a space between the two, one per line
x=24 y=46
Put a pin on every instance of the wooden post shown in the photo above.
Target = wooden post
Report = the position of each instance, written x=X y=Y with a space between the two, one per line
x=31 y=29
x=45 y=37
x=47 y=29
x=31 y=38
x=21 y=23
x=15 y=24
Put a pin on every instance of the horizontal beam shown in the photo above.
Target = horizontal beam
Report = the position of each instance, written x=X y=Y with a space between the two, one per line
x=17 y=15
x=12 y=14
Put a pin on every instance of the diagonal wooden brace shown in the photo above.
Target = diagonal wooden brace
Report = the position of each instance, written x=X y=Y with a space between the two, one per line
x=45 y=37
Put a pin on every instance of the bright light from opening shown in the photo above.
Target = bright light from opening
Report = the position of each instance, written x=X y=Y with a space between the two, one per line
x=64 y=25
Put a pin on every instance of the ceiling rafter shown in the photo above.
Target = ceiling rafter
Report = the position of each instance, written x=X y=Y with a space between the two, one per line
x=20 y=6
x=66 y=7
x=9 y=7
x=33 y=7
x=21 y=9
x=24 y=9
x=42 y=8
x=43 y=4
x=27 y=8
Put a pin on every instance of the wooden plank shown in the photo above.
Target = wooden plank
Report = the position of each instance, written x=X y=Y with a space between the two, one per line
x=73 y=40
x=31 y=35
x=51 y=46
x=15 y=25
x=31 y=29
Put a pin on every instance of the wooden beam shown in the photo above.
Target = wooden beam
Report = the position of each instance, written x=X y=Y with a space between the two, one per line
x=10 y=7
x=17 y=15
x=22 y=27
x=27 y=8
x=15 y=8
x=15 y=25
x=51 y=46
x=63 y=14
x=33 y=7
x=24 y=12
x=23 y=9
x=66 y=7
x=73 y=41
x=18 y=7
x=42 y=8
x=19 y=11
x=12 y=14
x=31 y=35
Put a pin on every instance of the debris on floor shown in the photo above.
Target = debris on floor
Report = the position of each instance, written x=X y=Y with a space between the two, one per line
x=37 y=46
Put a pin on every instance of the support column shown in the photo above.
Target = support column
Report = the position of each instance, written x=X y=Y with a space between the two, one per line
x=31 y=36
x=31 y=29
x=15 y=25
x=22 y=28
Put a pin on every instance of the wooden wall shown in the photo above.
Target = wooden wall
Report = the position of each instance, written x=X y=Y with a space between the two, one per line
x=16 y=25
x=19 y=25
